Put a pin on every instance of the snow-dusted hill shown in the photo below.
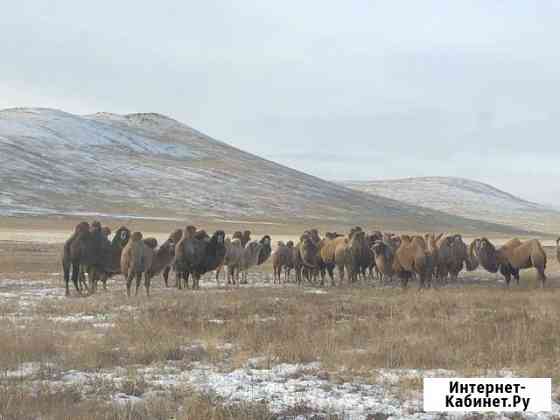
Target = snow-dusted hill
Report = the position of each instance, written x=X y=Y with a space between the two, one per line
x=466 y=198
x=151 y=165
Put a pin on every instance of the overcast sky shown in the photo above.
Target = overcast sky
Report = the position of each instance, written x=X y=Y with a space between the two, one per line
x=343 y=90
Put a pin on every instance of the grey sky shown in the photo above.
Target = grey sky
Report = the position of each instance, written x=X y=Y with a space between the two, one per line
x=347 y=90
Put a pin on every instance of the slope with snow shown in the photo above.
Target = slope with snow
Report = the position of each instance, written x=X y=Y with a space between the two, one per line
x=151 y=165
x=466 y=198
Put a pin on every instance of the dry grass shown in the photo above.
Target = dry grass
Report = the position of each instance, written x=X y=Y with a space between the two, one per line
x=358 y=329
x=472 y=329
x=17 y=403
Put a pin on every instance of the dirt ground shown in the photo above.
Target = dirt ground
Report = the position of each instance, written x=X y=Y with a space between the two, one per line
x=261 y=351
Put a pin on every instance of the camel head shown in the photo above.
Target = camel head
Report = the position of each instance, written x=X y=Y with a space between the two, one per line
x=95 y=226
x=376 y=235
x=82 y=227
x=358 y=237
x=168 y=246
x=189 y=232
x=136 y=236
x=486 y=253
x=220 y=236
x=353 y=231
x=309 y=251
x=121 y=237
x=176 y=235
x=405 y=238
x=265 y=240
x=378 y=248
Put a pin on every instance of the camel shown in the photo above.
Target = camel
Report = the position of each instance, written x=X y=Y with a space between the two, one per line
x=511 y=257
x=410 y=258
x=198 y=254
x=136 y=260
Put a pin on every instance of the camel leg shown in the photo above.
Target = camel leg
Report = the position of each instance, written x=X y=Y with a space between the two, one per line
x=542 y=276
x=129 y=277
x=75 y=275
x=147 y=280
x=341 y=274
x=178 y=279
x=92 y=273
x=82 y=283
x=138 y=282
x=330 y=271
x=166 y=271
x=66 y=269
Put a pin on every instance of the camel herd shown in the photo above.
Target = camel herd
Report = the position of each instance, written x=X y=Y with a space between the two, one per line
x=430 y=257
x=189 y=252
x=356 y=256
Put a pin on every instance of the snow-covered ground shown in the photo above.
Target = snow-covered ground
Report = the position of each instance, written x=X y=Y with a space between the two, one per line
x=466 y=198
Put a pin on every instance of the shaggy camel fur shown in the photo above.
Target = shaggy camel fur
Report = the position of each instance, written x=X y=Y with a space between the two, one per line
x=384 y=255
x=198 y=255
x=89 y=250
x=453 y=256
x=410 y=258
x=188 y=234
x=163 y=258
x=72 y=255
x=265 y=251
x=232 y=261
x=136 y=260
x=511 y=257
x=282 y=259
x=249 y=258
x=358 y=255
x=520 y=255
x=174 y=237
x=244 y=237
x=327 y=253
x=308 y=258
x=558 y=249
x=111 y=264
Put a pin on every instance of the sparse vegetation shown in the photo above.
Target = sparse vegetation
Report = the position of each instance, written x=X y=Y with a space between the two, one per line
x=477 y=328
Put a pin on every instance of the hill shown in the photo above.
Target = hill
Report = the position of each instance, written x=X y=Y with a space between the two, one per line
x=465 y=197
x=149 y=165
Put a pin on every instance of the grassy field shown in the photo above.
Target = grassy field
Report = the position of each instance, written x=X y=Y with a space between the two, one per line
x=177 y=354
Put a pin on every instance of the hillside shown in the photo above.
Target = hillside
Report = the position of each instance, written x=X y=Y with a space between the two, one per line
x=466 y=198
x=148 y=165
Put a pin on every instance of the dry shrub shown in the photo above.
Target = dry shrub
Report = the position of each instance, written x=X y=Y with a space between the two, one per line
x=35 y=343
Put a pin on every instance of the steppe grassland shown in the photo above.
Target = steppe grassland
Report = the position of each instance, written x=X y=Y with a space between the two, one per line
x=474 y=328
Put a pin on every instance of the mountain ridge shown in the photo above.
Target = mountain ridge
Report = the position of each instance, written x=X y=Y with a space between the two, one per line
x=145 y=163
x=464 y=197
